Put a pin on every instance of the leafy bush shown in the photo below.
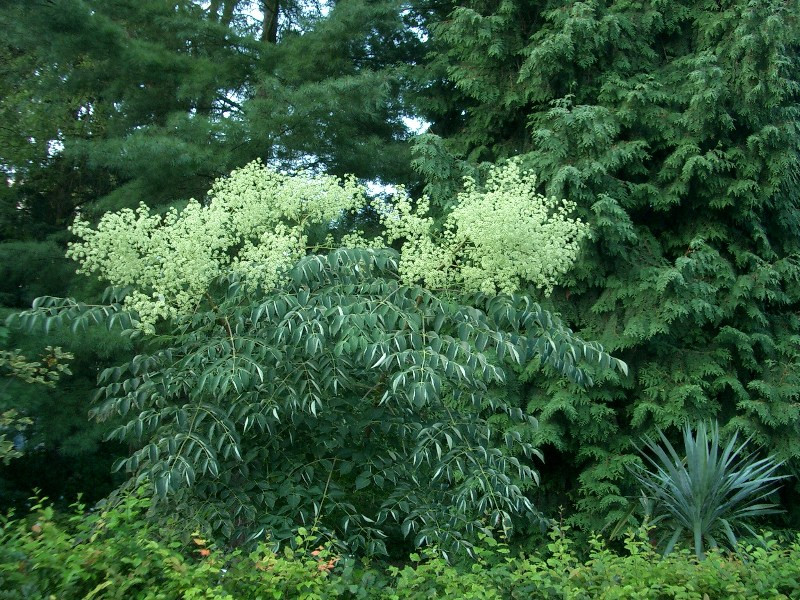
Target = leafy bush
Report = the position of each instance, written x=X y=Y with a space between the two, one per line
x=291 y=385
x=342 y=401
x=116 y=554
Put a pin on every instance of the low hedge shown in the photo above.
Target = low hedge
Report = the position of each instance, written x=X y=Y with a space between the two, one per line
x=118 y=554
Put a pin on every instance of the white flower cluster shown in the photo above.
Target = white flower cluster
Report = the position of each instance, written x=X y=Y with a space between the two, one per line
x=494 y=240
x=255 y=224
x=257 y=221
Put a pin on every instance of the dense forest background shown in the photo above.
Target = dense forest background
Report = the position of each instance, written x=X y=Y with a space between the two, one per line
x=672 y=125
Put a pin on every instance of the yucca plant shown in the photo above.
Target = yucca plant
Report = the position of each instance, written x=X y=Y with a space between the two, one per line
x=709 y=493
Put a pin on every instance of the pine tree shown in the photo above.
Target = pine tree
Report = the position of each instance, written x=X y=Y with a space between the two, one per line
x=163 y=98
x=675 y=129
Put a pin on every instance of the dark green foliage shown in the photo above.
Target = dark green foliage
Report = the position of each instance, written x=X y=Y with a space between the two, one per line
x=673 y=125
x=64 y=454
x=29 y=269
x=342 y=401
x=116 y=553
x=111 y=103
x=14 y=367
x=675 y=128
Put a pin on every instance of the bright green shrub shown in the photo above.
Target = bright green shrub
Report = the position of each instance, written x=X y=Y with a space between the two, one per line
x=117 y=554
x=104 y=554
x=762 y=572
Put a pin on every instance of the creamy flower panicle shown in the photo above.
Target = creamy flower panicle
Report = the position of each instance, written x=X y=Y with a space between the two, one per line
x=496 y=239
x=172 y=259
x=256 y=225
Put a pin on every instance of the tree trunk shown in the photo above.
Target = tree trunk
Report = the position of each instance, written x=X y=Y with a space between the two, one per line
x=271 y=9
x=213 y=10
x=227 y=11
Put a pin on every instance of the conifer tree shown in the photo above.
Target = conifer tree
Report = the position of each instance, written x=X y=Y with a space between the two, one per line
x=675 y=129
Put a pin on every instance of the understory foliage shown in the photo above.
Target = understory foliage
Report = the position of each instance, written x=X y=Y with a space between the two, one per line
x=13 y=365
x=48 y=381
x=674 y=128
x=117 y=554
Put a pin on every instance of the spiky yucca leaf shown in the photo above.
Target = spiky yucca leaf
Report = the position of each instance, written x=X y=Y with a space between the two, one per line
x=711 y=490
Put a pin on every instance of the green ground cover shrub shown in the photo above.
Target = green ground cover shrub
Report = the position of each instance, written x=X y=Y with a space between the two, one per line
x=116 y=553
